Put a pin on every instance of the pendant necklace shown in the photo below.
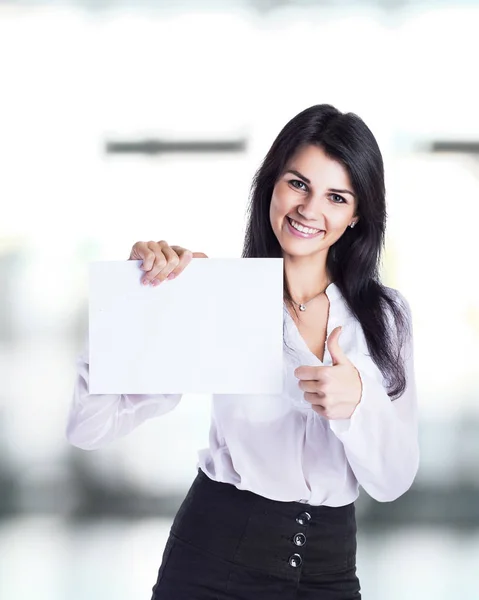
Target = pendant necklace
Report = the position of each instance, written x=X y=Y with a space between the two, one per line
x=302 y=305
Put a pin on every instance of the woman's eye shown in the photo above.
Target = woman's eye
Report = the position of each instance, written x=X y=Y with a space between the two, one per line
x=296 y=183
x=337 y=199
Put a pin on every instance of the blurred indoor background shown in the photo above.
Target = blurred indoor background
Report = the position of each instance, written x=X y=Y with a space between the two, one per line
x=124 y=120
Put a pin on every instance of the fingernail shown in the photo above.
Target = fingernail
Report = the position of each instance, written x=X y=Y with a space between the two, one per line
x=155 y=282
x=145 y=281
x=171 y=276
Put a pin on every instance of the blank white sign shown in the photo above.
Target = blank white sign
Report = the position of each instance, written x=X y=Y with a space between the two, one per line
x=217 y=328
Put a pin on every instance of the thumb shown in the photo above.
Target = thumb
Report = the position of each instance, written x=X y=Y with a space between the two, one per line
x=337 y=355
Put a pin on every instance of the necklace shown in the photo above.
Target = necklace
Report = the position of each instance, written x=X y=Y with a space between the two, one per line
x=302 y=305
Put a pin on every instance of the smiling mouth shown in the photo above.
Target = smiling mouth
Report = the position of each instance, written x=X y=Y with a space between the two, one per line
x=302 y=228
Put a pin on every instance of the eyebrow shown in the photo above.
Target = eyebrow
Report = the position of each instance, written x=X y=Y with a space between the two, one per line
x=306 y=180
x=341 y=192
x=298 y=174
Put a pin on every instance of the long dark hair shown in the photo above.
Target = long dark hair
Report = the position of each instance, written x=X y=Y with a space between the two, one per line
x=353 y=262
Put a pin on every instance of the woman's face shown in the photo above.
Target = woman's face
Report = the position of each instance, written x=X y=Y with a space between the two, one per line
x=314 y=194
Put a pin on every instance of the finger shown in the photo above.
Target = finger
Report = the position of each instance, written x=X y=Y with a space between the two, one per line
x=185 y=257
x=141 y=251
x=314 y=399
x=320 y=410
x=159 y=263
x=306 y=372
x=180 y=250
x=172 y=261
x=311 y=385
x=338 y=357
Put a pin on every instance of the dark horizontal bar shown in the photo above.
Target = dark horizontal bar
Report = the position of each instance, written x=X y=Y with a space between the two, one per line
x=159 y=147
x=455 y=146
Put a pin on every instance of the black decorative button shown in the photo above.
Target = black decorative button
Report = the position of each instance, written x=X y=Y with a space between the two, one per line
x=295 y=560
x=303 y=518
x=299 y=539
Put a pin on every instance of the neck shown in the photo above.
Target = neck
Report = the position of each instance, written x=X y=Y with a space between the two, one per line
x=306 y=277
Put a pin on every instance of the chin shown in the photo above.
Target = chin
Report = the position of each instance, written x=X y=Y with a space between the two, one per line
x=301 y=250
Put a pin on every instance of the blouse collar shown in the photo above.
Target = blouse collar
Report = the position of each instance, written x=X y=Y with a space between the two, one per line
x=339 y=314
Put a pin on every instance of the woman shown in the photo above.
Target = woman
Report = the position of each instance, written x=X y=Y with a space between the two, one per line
x=271 y=513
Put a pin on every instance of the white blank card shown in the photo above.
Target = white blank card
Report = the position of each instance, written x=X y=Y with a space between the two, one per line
x=217 y=328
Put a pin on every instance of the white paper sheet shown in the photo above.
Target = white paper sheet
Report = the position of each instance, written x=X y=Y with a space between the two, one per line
x=216 y=328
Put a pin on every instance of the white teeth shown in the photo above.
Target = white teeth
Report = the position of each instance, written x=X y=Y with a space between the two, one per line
x=299 y=227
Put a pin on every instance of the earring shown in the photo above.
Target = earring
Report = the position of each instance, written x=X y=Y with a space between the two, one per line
x=352 y=224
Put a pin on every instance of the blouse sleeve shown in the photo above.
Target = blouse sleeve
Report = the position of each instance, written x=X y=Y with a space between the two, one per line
x=94 y=420
x=381 y=437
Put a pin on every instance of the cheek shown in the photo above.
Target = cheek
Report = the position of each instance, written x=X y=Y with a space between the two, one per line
x=281 y=202
x=340 y=219
x=275 y=208
x=272 y=209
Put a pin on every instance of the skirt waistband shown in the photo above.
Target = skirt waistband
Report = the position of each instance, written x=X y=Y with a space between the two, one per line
x=287 y=539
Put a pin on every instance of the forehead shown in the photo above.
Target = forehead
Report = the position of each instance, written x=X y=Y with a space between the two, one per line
x=322 y=170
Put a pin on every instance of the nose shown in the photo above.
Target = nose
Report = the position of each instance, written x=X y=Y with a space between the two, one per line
x=312 y=210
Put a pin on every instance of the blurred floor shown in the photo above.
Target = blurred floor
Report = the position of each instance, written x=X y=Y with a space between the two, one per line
x=51 y=559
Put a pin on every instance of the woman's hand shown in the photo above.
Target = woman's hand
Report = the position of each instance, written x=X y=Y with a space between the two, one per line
x=334 y=392
x=161 y=261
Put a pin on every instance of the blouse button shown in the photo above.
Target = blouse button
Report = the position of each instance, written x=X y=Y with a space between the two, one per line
x=295 y=561
x=303 y=518
x=299 y=539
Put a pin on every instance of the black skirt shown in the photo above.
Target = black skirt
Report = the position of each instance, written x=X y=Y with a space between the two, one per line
x=229 y=544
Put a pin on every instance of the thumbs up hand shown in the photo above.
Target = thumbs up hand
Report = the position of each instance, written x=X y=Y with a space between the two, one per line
x=334 y=392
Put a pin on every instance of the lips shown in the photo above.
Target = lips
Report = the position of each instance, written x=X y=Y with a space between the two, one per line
x=312 y=229
x=306 y=233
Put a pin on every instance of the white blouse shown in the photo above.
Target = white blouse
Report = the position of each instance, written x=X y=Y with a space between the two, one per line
x=276 y=445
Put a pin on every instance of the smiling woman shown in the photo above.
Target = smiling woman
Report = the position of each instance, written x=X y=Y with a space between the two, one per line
x=271 y=514
x=325 y=172
x=306 y=202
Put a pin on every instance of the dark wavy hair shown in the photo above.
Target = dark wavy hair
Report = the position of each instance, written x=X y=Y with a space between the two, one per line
x=353 y=262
